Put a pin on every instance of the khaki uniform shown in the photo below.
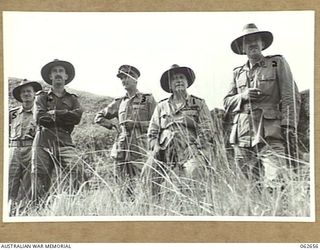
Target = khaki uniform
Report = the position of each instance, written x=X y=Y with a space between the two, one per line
x=184 y=134
x=22 y=130
x=130 y=148
x=53 y=150
x=257 y=125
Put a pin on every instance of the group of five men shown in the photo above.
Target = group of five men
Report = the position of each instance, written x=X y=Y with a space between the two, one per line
x=179 y=132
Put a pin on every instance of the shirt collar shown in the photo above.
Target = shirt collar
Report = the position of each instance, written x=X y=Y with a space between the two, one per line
x=170 y=100
x=21 y=109
x=138 y=93
x=261 y=63
x=50 y=92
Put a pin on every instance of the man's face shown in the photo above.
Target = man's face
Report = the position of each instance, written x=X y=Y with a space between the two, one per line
x=178 y=82
x=58 y=76
x=129 y=83
x=27 y=94
x=252 y=46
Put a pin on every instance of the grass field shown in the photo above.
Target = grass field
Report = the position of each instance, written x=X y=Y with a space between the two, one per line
x=220 y=191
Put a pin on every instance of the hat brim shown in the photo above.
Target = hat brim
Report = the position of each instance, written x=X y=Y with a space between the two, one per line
x=122 y=75
x=237 y=44
x=16 y=92
x=164 y=81
x=46 y=70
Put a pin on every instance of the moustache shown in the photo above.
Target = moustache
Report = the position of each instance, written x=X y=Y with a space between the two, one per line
x=58 y=77
x=180 y=85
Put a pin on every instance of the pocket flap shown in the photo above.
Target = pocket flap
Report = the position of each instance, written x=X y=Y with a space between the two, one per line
x=267 y=76
x=241 y=83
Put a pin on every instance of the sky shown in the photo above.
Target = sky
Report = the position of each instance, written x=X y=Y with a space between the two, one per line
x=98 y=43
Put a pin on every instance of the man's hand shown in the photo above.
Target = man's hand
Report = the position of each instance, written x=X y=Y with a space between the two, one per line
x=52 y=112
x=106 y=123
x=251 y=94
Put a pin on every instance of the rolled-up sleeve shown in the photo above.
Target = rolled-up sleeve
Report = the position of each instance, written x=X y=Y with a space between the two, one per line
x=110 y=112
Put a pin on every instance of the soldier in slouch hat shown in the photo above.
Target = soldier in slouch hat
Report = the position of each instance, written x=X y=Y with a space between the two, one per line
x=22 y=129
x=265 y=101
x=57 y=112
x=180 y=131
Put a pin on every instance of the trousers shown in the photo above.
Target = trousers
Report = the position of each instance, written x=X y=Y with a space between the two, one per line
x=265 y=162
x=58 y=170
x=19 y=173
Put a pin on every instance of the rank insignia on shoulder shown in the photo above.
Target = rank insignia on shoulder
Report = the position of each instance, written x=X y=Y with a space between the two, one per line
x=274 y=64
x=13 y=112
x=195 y=98
x=143 y=99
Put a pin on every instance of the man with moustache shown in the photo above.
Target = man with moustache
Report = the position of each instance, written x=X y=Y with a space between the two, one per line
x=134 y=111
x=56 y=112
x=265 y=100
x=22 y=128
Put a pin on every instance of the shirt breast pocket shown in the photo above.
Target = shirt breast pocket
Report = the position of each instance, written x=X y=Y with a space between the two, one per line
x=241 y=84
x=67 y=104
x=122 y=116
x=140 y=112
x=267 y=81
x=191 y=115
x=165 y=120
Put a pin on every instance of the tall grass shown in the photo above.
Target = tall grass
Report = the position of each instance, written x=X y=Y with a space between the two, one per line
x=219 y=189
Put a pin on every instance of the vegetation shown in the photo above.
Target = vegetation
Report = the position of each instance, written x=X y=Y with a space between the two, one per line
x=217 y=190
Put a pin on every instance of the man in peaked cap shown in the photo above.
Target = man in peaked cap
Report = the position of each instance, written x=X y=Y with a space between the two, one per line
x=57 y=112
x=180 y=132
x=265 y=100
x=22 y=129
x=134 y=111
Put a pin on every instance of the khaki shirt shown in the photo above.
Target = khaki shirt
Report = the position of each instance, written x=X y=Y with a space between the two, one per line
x=56 y=129
x=21 y=123
x=279 y=104
x=139 y=109
x=177 y=130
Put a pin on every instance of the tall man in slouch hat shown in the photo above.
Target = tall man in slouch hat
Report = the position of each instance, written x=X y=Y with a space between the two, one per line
x=265 y=101
x=22 y=128
x=134 y=111
x=56 y=112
